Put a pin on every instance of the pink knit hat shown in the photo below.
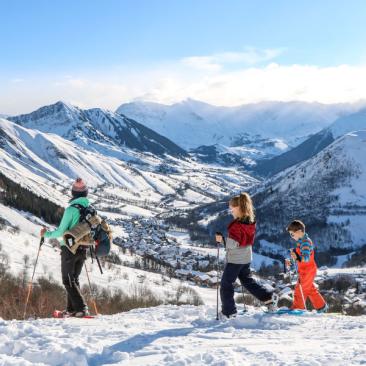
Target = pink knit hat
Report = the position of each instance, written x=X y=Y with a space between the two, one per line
x=79 y=186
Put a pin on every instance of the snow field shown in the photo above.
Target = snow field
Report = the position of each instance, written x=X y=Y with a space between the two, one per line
x=185 y=335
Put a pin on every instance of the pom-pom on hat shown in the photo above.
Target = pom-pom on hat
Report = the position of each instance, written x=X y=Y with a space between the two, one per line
x=79 y=186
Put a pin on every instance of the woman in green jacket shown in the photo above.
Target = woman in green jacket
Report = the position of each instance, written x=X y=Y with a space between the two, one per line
x=72 y=264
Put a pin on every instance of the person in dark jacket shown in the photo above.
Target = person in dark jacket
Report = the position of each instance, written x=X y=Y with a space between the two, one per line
x=241 y=233
x=72 y=264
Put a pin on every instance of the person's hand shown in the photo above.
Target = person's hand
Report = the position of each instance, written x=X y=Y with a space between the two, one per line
x=219 y=238
x=293 y=255
x=43 y=230
x=288 y=263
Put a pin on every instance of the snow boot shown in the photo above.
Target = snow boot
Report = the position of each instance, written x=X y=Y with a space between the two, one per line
x=223 y=316
x=324 y=309
x=272 y=304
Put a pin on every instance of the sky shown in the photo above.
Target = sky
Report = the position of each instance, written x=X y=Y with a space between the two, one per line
x=104 y=53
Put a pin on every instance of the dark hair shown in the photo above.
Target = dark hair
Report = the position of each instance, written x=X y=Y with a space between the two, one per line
x=246 y=205
x=79 y=194
x=296 y=225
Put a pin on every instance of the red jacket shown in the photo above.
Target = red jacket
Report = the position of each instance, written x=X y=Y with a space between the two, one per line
x=242 y=231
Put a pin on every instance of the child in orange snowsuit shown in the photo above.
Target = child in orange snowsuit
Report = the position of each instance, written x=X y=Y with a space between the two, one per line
x=303 y=255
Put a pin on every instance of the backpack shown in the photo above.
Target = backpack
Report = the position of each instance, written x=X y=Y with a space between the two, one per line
x=91 y=230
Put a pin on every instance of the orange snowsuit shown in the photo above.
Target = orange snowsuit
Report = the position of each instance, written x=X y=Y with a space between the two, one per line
x=307 y=268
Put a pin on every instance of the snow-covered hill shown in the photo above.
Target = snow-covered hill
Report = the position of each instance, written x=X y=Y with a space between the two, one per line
x=185 y=335
x=268 y=128
x=38 y=160
x=310 y=147
x=96 y=126
x=328 y=192
x=20 y=239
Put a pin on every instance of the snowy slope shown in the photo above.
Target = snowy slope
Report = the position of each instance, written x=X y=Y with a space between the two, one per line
x=16 y=245
x=41 y=159
x=96 y=126
x=267 y=126
x=186 y=335
x=327 y=191
x=313 y=145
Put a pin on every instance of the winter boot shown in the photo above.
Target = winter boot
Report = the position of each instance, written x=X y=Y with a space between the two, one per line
x=272 y=304
x=324 y=309
x=82 y=313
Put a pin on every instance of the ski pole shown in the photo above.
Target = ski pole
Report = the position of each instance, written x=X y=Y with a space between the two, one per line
x=242 y=291
x=300 y=286
x=30 y=284
x=218 y=273
x=218 y=281
x=288 y=270
x=91 y=292
x=93 y=254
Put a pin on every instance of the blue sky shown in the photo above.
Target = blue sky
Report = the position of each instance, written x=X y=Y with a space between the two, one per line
x=121 y=45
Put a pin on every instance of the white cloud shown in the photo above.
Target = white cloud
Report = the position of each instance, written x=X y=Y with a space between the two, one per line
x=175 y=81
x=343 y=83
x=201 y=63
x=216 y=62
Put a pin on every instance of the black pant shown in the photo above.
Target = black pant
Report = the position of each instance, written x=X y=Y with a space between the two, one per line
x=242 y=271
x=71 y=266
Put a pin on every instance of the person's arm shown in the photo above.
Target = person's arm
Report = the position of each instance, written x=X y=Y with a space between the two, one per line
x=64 y=225
x=231 y=243
x=305 y=249
x=233 y=239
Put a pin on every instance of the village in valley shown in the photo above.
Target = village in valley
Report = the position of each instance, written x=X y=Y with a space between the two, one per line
x=158 y=251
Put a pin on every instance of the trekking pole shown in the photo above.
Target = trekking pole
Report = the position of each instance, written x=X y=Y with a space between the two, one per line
x=218 y=274
x=242 y=291
x=94 y=255
x=300 y=286
x=288 y=270
x=30 y=284
x=91 y=292
x=218 y=281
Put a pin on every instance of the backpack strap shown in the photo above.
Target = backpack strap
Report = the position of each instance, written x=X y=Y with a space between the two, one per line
x=81 y=210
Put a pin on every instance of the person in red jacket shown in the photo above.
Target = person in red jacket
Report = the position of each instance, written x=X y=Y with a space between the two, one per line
x=303 y=256
x=241 y=233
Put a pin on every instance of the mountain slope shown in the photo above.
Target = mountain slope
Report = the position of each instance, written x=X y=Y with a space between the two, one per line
x=98 y=126
x=46 y=163
x=272 y=126
x=313 y=145
x=327 y=191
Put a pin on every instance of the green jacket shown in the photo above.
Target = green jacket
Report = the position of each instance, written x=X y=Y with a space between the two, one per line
x=69 y=219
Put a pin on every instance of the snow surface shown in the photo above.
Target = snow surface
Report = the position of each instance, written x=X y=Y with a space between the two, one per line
x=185 y=335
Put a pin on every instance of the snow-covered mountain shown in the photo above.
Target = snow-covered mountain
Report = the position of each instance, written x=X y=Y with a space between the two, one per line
x=310 y=147
x=96 y=126
x=328 y=192
x=267 y=128
x=45 y=163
